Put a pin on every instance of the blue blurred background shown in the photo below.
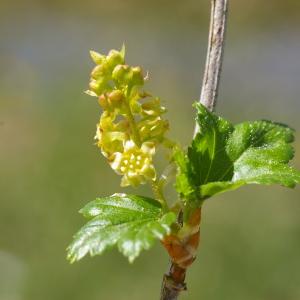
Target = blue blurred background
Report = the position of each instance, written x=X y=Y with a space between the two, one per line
x=49 y=167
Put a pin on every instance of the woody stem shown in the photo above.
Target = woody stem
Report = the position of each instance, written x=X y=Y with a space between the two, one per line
x=214 y=58
x=174 y=280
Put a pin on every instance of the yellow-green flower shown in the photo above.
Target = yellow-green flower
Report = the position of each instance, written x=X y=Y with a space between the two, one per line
x=153 y=108
x=131 y=125
x=135 y=164
x=153 y=129
x=110 y=136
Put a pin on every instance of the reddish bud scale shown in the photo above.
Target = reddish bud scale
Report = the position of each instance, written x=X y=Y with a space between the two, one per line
x=195 y=217
x=182 y=253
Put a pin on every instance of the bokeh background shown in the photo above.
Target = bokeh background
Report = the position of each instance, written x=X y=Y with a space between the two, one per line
x=49 y=167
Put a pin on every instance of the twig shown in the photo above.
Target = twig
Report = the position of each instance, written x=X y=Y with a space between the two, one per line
x=214 y=59
x=174 y=281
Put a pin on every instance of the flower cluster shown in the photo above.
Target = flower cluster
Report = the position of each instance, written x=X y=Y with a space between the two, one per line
x=131 y=125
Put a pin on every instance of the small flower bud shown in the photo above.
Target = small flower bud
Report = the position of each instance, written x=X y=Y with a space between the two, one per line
x=97 y=57
x=137 y=76
x=97 y=86
x=116 y=96
x=99 y=71
x=122 y=74
x=102 y=100
x=114 y=58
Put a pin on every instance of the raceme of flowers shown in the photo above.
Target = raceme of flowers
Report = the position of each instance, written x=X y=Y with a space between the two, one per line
x=131 y=124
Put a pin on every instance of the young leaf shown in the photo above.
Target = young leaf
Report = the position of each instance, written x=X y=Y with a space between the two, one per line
x=223 y=157
x=130 y=222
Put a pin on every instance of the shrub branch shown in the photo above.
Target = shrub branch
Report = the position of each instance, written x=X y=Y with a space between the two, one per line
x=174 y=281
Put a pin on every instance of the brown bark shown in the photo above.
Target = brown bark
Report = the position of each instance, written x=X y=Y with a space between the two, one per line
x=214 y=58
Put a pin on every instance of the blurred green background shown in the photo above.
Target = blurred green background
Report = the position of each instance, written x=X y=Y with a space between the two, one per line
x=49 y=167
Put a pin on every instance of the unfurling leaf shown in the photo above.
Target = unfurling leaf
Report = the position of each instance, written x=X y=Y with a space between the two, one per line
x=130 y=222
x=224 y=157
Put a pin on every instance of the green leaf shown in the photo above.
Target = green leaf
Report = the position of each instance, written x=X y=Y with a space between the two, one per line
x=223 y=157
x=184 y=179
x=130 y=222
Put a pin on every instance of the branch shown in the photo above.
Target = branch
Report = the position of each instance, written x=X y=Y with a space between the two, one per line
x=214 y=59
x=180 y=250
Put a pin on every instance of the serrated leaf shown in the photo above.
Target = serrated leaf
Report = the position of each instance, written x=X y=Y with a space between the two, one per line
x=130 y=222
x=223 y=157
